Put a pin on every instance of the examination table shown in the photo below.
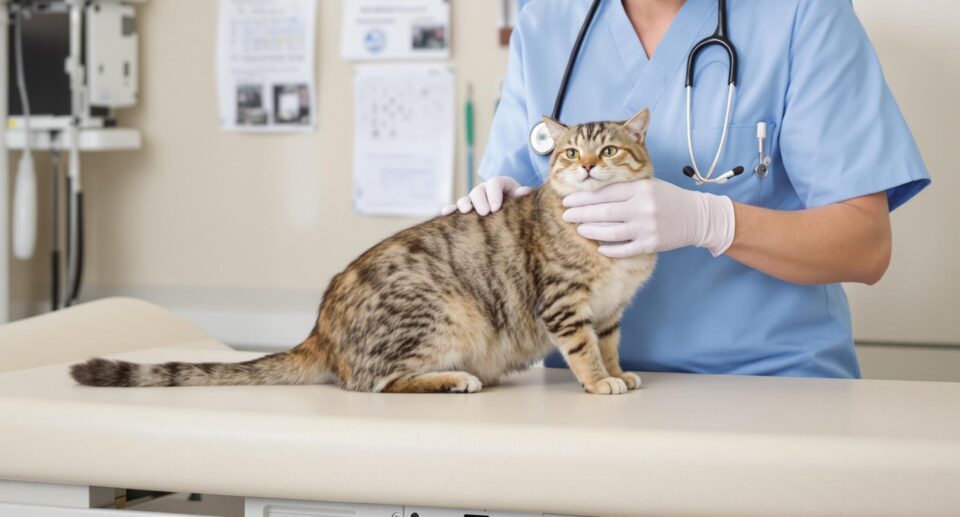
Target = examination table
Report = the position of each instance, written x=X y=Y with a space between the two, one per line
x=683 y=444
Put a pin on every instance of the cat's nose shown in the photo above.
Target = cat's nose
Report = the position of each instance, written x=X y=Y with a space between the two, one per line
x=587 y=167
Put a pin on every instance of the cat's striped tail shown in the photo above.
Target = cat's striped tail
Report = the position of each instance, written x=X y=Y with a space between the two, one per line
x=305 y=364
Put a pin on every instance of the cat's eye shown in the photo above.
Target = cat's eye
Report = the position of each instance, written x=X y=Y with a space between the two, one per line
x=572 y=154
x=608 y=151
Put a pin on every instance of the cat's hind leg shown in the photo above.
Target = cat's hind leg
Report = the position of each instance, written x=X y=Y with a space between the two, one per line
x=435 y=382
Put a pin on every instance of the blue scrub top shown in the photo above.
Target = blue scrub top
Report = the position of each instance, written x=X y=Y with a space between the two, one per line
x=808 y=70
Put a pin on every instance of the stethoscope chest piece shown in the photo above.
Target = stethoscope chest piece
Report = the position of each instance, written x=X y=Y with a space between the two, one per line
x=541 y=141
x=762 y=168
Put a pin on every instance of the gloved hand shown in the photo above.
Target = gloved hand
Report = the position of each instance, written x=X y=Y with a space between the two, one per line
x=487 y=197
x=649 y=216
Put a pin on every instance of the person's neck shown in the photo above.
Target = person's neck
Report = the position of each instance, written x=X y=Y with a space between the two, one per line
x=651 y=19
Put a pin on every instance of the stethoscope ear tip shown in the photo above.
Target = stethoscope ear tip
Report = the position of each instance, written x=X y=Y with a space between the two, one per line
x=691 y=173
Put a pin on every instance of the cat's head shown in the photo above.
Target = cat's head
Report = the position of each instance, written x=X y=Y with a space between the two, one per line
x=596 y=154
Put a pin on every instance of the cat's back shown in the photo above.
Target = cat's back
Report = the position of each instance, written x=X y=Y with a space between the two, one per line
x=446 y=254
x=467 y=239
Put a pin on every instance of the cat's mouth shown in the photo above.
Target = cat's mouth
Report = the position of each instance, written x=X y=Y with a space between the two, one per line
x=584 y=176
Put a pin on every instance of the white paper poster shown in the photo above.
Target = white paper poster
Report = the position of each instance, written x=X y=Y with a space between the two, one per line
x=403 y=139
x=395 y=29
x=266 y=65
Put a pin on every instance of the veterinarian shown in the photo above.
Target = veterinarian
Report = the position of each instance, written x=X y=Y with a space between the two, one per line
x=748 y=280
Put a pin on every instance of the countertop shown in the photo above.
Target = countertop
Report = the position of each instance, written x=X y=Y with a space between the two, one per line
x=683 y=444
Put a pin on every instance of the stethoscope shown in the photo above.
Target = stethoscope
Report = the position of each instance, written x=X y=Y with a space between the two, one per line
x=542 y=143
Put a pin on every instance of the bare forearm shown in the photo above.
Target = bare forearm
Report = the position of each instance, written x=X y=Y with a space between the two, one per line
x=843 y=242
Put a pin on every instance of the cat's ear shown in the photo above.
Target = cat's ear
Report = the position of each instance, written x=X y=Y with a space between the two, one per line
x=638 y=124
x=557 y=130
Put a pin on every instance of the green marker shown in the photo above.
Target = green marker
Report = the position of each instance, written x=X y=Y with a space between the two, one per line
x=469 y=121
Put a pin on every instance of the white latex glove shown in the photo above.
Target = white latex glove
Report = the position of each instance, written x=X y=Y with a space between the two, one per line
x=487 y=197
x=649 y=216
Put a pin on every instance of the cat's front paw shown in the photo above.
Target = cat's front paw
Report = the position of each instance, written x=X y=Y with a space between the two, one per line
x=608 y=386
x=631 y=379
x=465 y=383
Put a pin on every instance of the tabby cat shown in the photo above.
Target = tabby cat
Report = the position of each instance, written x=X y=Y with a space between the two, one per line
x=455 y=303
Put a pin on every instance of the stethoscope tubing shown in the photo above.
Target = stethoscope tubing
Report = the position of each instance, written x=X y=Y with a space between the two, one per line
x=572 y=60
x=697 y=176
x=718 y=38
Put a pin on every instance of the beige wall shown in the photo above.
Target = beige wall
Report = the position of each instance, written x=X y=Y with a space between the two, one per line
x=242 y=232
x=202 y=207
x=918 y=299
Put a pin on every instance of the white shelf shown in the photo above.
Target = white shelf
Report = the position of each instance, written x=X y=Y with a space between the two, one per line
x=98 y=139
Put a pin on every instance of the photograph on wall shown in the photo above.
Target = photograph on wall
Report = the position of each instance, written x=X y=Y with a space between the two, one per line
x=250 y=109
x=291 y=104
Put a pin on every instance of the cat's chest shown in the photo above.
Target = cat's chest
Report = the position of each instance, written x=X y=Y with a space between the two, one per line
x=618 y=283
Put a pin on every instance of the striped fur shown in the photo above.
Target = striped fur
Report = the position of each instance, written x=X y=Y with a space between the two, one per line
x=457 y=302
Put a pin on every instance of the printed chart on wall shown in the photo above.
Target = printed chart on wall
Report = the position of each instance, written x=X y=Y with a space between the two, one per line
x=265 y=65
x=395 y=29
x=403 y=139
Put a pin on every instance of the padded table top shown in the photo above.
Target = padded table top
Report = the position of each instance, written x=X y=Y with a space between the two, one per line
x=696 y=444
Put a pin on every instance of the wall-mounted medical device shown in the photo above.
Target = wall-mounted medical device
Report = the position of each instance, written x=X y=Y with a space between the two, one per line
x=111 y=51
x=71 y=63
x=108 y=58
